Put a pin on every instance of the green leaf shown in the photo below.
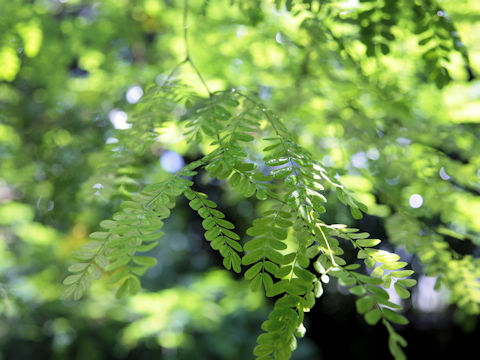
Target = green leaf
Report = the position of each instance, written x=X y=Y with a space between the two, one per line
x=236 y=262
x=230 y=234
x=401 y=291
x=117 y=264
x=368 y=280
x=395 y=265
x=357 y=290
x=224 y=223
x=347 y=281
x=243 y=137
x=256 y=283
x=234 y=179
x=145 y=261
x=281 y=173
x=361 y=236
x=77 y=267
x=122 y=290
x=357 y=214
x=258 y=230
x=94 y=272
x=377 y=272
x=378 y=292
x=218 y=243
x=209 y=223
x=101 y=261
x=271 y=267
x=78 y=293
x=304 y=274
x=318 y=289
x=204 y=212
x=387 y=280
x=133 y=285
x=263 y=350
x=92 y=245
x=253 y=271
x=275 y=256
x=277 y=161
x=147 y=247
x=408 y=282
x=394 y=317
x=72 y=279
x=402 y=274
x=267 y=283
x=189 y=194
x=368 y=242
x=212 y=233
x=252 y=257
x=395 y=350
x=256 y=243
x=68 y=292
x=369 y=262
x=388 y=303
x=283 y=222
x=195 y=204
x=261 y=194
x=99 y=235
x=108 y=224
x=273 y=146
x=209 y=203
x=364 y=304
x=235 y=245
x=300 y=331
x=217 y=214
x=373 y=316
x=319 y=267
x=352 y=267
x=382 y=255
x=279 y=233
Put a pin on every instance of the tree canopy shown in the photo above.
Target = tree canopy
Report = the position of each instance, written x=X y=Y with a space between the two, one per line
x=235 y=171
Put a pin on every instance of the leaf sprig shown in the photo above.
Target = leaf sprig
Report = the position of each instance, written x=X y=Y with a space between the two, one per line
x=135 y=228
x=285 y=241
x=218 y=230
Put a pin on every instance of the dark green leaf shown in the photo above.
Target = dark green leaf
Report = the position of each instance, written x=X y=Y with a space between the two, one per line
x=394 y=317
x=364 y=304
x=373 y=316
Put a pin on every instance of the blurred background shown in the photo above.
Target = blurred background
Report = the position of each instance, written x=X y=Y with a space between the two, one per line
x=71 y=74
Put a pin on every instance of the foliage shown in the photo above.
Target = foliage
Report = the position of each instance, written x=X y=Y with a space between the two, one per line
x=134 y=228
x=305 y=118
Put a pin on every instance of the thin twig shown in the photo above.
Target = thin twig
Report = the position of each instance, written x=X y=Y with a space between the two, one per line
x=188 y=58
x=175 y=70
x=187 y=49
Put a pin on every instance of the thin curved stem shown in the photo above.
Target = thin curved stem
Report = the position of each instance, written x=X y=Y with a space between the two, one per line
x=188 y=58
x=185 y=29
x=199 y=75
x=174 y=70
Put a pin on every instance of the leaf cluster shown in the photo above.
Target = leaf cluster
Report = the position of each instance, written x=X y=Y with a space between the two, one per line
x=284 y=241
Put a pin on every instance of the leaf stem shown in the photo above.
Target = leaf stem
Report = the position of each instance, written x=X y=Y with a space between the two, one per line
x=187 y=49
x=328 y=245
x=188 y=58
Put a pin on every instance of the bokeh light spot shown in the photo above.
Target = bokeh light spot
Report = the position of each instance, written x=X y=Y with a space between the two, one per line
x=359 y=160
x=119 y=119
x=416 y=201
x=443 y=174
x=171 y=161
x=134 y=94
